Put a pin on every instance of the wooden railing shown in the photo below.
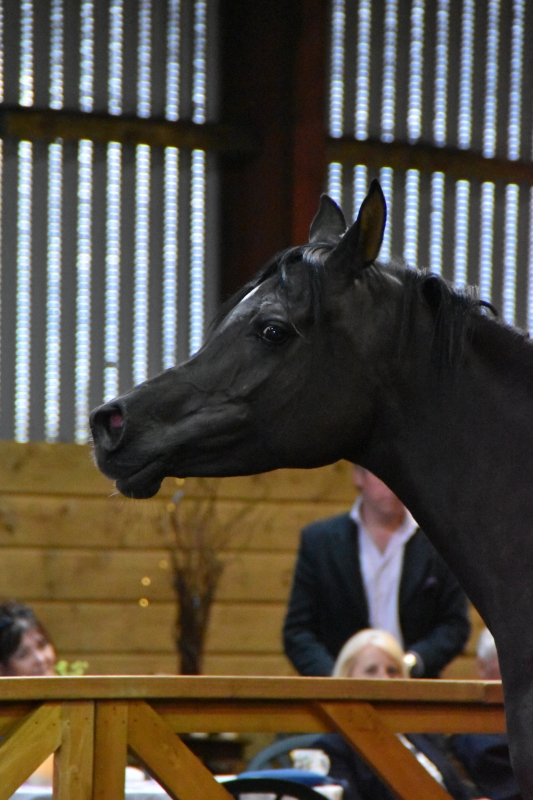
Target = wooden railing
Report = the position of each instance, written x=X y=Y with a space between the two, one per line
x=90 y=723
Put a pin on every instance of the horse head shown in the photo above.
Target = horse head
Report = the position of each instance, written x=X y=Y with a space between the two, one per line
x=264 y=390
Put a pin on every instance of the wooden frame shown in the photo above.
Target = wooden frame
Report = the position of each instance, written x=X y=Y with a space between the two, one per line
x=428 y=158
x=50 y=125
x=91 y=722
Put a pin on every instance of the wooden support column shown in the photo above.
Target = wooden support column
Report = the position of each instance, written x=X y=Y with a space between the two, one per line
x=310 y=100
x=272 y=83
x=73 y=763
x=110 y=749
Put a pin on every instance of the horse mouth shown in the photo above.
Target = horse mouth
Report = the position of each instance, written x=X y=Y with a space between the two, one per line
x=143 y=484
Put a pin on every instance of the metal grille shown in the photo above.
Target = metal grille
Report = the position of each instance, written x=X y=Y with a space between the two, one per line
x=451 y=74
x=108 y=274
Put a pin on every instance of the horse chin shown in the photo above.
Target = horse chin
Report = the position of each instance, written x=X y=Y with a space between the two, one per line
x=143 y=484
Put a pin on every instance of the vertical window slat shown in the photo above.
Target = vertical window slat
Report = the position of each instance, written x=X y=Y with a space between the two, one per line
x=388 y=101
x=142 y=200
x=441 y=72
x=412 y=200
x=512 y=196
x=52 y=388
x=462 y=214
x=171 y=189
x=84 y=222
x=362 y=79
x=436 y=222
x=113 y=205
x=486 y=243
x=198 y=183
x=23 y=318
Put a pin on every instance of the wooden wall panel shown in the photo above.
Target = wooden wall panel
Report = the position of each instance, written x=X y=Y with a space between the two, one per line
x=78 y=552
x=113 y=522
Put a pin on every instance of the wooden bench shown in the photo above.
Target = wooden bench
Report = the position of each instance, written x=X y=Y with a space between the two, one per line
x=91 y=722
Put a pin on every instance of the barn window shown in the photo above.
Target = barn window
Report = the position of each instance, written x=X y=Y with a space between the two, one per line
x=435 y=99
x=106 y=177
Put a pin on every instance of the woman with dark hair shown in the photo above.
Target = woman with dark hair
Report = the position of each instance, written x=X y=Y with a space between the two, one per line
x=25 y=648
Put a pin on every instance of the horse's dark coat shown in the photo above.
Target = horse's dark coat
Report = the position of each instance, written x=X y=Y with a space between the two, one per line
x=327 y=355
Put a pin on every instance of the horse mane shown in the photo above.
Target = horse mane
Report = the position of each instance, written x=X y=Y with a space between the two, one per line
x=460 y=316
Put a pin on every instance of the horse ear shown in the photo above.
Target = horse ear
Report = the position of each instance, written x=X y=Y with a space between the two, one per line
x=360 y=245
x=329 y=223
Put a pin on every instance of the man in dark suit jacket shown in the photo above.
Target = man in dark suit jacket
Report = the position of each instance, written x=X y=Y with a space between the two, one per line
x=328 y=602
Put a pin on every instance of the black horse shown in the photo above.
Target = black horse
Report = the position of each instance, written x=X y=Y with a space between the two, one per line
x=328 y=355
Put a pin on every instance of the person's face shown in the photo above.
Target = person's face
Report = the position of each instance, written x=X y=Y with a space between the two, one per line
x=373 y=662
x=376 y=493
x=33 y=657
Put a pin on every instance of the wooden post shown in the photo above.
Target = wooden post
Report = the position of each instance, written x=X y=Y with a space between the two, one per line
x=273 y=81
x=110 y=749
x=310 y=98
x=73 y=764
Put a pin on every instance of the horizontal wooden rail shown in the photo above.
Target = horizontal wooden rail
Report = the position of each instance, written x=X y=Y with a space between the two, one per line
x=50 y=125
x=91 y=722
x=461 y=164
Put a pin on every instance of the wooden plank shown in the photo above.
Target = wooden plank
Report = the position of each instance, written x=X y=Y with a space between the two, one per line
x=203 y=687
x=50 y=124
x=113 y=627
x=130 y=628
x=47 y=521
x=73 y=763
x=110 y=750
x=457 y=163
x=292 y=717
x=442 y=718
x=252 y=627
x=39 y=467
x=247 y=664
x=68 y=469
x=25 y=749
x=123 y=574
x=461 y=668
x=128 y=663
x=167 y=759
x=167 y=664
x=243 y=717
x=363 y=728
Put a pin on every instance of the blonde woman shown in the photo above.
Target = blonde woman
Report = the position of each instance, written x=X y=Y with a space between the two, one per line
x=376 y=654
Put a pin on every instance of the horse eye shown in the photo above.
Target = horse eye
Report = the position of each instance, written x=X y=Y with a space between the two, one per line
x=274 y=334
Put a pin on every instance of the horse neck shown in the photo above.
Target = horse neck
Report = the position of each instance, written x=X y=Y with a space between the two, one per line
x=456 y=448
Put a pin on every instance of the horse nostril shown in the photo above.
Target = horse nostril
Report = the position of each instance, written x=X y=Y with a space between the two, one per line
x=108 y=425
x=116 y=420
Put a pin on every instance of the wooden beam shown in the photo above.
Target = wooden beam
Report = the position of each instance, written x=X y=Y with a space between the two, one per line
x=182 y=688
x=167 y=759
x=73 y=763
x=362 y=727
x=49 y=125
x=309 y=136
x=460 y=164
x=28 y=746
x=110 y=750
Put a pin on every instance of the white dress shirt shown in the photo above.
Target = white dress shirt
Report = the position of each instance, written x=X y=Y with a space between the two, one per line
x=382 y=572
